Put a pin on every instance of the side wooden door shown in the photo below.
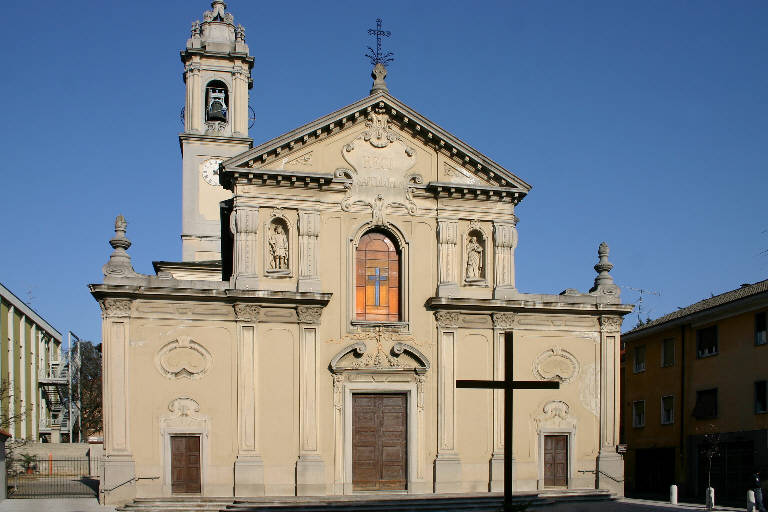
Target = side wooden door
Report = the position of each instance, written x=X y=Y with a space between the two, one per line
x=556 y=461
x=185 y=464
x=379 y=442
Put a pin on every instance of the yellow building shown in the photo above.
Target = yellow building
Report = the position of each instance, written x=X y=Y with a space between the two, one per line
x=697 y=371
x=31 y=372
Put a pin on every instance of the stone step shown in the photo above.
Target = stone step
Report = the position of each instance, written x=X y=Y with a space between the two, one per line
x=358 y=503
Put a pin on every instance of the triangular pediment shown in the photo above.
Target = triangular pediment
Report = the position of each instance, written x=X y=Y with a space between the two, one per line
x=459 y=164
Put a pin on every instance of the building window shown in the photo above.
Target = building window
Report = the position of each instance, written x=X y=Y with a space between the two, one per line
x=761 y=334
x=706 y=404
x=668 y=352
x=638 y=413
x=640 y=359
x=706 y=342
x=667 y=410
x=216 y=101
x=761 y=397
x=377 y=281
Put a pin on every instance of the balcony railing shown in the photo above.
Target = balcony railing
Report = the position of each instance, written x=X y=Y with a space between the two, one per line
x=47 y=423
x=54 y=373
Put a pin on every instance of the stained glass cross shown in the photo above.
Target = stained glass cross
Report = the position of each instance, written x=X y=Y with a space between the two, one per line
x=377 y=279
x=508 y=385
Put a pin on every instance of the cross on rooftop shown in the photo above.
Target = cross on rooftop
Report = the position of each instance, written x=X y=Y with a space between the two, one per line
x=376 y=56
x=508 y=385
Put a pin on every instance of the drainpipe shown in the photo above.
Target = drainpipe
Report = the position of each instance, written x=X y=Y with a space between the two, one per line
x=682 y=404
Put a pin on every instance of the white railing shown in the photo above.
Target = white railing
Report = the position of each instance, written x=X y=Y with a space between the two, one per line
x=47 y=423
x=54 y=372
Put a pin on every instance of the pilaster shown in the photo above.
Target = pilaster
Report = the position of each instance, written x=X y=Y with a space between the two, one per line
x=502 y=322
x=448 y=462
x=610 y=463
x=504 y=243
x=119 y=467
x=310 y=468
x=245 y=226
x=309 y=231
x=447 y=236
x=249 y=466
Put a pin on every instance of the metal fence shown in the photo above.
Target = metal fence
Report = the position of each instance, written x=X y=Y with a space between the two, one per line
x=39 y=477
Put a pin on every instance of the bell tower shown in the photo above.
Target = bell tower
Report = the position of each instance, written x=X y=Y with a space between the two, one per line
x=217 y=74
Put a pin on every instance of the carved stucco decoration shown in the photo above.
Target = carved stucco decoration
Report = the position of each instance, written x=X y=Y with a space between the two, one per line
x=381 y=162
x=504 y=320
x=460 y=175
x=113 y=308
x=183 y=358
x=184 y=412
x=357 y=357
x=300 y=161
x=309 y=314
x=448 y=319
x=610 y=323
x=247 y=312
x=556 y=364
x=555 y=414
x=589 y=392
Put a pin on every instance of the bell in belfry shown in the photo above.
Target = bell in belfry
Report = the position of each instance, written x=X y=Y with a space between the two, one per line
x=217 y=105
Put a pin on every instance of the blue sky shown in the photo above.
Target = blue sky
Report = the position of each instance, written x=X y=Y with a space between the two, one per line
x=640 y=123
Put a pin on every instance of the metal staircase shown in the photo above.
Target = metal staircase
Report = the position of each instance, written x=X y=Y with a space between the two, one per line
x=55 y=382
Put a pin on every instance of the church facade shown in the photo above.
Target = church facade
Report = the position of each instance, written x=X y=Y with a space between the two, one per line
x=335 y=282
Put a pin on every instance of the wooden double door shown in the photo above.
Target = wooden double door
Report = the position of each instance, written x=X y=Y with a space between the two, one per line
x=185 y=464
x=556 y=461
x=379 y=441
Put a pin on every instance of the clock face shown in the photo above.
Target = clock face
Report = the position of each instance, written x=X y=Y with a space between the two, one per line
x=210 y=171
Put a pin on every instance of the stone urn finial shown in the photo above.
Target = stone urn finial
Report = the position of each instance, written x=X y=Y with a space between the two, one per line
x=119 y=264
x=604 y=282
x=378 y=74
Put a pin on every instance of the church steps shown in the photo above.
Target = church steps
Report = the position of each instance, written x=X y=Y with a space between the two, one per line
x=361 y=502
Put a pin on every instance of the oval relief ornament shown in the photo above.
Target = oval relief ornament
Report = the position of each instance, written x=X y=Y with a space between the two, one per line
x=183 y=358
x=556 y=364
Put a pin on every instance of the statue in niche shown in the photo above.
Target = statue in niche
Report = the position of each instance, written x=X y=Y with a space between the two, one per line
x=474 y=259
x=278 y=248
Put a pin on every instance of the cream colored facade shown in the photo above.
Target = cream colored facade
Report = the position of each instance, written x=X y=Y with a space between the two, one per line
x=262 y=361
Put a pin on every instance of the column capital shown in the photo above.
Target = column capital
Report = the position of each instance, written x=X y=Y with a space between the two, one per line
x=504 y=320
x=505 y=234
x=115 y=308
x=447 y=319
x=309 y=314
x=610 y=324
x=309 y=223
x=247 y=312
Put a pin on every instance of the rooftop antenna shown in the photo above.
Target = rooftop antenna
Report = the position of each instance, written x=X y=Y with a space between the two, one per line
x=639 y=301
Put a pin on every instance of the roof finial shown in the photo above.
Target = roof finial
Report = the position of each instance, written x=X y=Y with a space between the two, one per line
x=378 y=74
x=604 y=282
x=378 y=59
x=119 y=264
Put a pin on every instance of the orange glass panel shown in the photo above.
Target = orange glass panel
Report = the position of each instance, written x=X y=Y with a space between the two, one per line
x=377 y=274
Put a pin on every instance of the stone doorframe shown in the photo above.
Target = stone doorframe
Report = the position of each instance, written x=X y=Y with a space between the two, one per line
x=379 y=379
x=554 y=418
x=184 y=420
x=555 y=432
x=412 y=446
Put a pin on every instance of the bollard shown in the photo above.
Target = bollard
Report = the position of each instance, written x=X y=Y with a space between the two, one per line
x=673 y=494
x=710 y=498
x=750 y=501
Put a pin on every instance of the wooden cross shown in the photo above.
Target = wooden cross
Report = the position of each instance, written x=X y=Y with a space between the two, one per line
x=508 y=385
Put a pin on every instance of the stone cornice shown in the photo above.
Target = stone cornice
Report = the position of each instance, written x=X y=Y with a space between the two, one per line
x=404 y=118
x=524 y=306
x=256 y=297
x=235 y=176
x=467 y=191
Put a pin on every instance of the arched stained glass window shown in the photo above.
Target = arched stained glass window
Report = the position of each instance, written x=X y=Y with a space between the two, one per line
x=377 y=279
